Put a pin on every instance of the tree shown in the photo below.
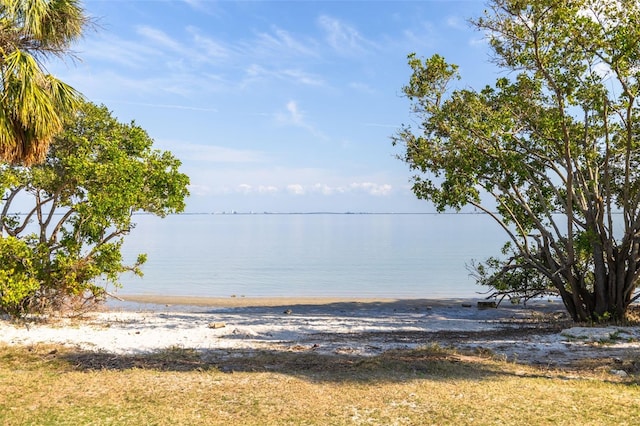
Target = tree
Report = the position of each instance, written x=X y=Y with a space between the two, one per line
x=550 y=151
x=32 y=102
x=66 y=248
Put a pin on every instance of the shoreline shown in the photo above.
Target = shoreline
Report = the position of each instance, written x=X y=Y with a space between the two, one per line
x=228 y=327
x=277 y=301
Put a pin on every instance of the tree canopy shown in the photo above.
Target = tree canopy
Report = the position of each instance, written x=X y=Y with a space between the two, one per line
x=66 y=246
x=550 y=150
x=33 y=102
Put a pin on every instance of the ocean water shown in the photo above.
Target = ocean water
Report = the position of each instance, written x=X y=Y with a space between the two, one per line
x=310 y=255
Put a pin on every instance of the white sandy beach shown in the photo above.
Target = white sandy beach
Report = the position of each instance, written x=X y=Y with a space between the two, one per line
x=329 y=326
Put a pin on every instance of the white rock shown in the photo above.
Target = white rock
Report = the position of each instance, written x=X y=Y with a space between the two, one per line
x=619 y=373
x=590 y=334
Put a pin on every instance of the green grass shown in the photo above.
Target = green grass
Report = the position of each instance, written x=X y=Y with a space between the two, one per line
x=45 y=385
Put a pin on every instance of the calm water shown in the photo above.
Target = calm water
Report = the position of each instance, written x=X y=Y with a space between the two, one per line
x=310 y=255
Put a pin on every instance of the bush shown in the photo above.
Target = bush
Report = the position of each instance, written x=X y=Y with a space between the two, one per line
x=66 y=248
x=18 y=277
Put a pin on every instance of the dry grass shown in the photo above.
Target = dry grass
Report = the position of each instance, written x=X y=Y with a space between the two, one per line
x=45 y=385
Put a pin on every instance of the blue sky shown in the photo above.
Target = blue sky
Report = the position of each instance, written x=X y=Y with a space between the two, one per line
x=282 y=106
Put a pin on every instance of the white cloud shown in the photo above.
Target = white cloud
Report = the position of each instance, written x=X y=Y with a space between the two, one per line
x=245 y=188
x=603 y=71
x=371 y=188
x=291 y=116
x=296 y=189
x=604 y=13
x=196 y=189
x=295 y=116
x=324 y=189
x=268 y=189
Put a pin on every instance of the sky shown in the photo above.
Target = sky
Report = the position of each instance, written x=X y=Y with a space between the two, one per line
x=278 y=106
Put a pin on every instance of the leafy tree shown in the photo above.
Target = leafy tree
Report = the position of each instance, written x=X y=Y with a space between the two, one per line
x=550 y=150
x=33 y=102
x=66 y=248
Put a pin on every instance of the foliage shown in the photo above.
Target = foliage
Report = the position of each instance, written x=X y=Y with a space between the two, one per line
x=550 y=151
x=32 y=102
x=96 y=175
x=17 y=275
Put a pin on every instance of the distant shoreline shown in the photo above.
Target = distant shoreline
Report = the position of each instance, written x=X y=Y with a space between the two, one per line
x=250 y=213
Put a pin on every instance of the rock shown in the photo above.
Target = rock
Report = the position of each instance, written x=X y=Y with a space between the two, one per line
x=466 y=305
x=217 y=325
x=487 y=305
x=619 y=373
x=593 y=334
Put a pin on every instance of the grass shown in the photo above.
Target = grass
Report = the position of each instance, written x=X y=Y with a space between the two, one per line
x=46 y=385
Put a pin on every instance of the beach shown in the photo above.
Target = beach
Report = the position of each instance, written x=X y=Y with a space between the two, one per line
x=223 y=328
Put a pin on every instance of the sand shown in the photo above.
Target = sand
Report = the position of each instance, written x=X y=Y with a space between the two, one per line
x=536 y=334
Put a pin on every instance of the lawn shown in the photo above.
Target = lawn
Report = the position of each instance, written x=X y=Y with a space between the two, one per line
x=47 y=385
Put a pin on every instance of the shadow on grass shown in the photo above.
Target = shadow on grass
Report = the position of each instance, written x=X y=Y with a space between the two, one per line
x=394 y=366
x=391 y=366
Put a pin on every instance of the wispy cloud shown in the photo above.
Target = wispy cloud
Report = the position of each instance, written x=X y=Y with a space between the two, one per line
x=206 y=6
x=212 y=154
x=385 y=125
x=256 y=72
x=302 y=77
x=208 y=46
x=422 y=37
x=293 y=116
x=157 y=105
x=478 y=42
x=281 y=43
x=362 y=88
x=342 y=37
x=456 y=22
x=160 y=38
x=109 y=49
